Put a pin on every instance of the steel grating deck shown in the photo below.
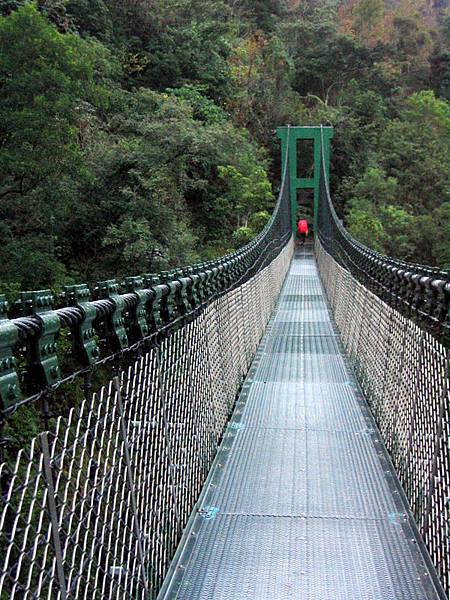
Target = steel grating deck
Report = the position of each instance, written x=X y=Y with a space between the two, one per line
x=302 y=503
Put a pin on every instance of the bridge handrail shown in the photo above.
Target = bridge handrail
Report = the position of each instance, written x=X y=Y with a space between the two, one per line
x=417 y=291
x=125 y=315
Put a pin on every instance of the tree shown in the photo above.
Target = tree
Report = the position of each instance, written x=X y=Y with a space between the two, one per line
x=435 y=227
x=325 y=60
x=260 y=96
x=410 y=40
x=413 y=150
x=247 y=192
x=363 y=116
x=400 y=237
x=375 y=187
x=170 y=43
x=440 y=71
x=365 y=225
x=7 y=6
x=368 y=21
x=375 y=219
x=48 y=84
x=366 y=200
x=401 y=203
x=263 y=15
x=91 y=17
x=45 y=78
x=136 y=135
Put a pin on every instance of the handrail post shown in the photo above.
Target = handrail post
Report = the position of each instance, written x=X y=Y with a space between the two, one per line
x=123 y=433
x=48 y=475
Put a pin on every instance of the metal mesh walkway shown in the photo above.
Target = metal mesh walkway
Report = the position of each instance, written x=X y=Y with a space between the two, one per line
x=302 y=502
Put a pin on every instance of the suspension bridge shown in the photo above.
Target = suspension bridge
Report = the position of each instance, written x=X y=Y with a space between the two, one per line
x=274 y=424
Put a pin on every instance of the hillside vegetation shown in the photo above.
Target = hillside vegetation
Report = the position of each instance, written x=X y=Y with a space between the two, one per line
x=138 y=135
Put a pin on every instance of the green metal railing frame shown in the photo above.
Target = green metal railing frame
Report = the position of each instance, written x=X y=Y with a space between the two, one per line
x=419 y=292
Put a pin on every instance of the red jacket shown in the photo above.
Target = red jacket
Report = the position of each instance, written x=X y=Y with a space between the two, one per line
x=303 y=226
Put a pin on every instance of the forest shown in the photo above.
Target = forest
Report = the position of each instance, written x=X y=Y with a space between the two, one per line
x=138 y=135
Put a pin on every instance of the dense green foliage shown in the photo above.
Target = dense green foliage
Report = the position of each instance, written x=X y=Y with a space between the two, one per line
x=138 y=135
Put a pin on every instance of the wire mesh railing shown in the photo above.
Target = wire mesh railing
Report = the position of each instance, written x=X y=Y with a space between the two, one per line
x=393 y=321
x=95 y=505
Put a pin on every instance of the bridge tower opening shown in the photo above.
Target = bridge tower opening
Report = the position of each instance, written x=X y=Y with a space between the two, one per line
x=305 y=149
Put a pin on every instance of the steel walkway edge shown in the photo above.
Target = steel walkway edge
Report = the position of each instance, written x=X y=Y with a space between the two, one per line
x=302 y=502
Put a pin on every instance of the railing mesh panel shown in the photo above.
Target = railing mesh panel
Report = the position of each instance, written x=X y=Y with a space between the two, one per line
x=96 y=507
x=394 y=320
x=403 y=372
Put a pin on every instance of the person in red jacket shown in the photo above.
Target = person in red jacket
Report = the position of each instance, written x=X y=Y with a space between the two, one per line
x=302 y=229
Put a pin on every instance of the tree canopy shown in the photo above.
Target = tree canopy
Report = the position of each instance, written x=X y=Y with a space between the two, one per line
x=138 y=136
